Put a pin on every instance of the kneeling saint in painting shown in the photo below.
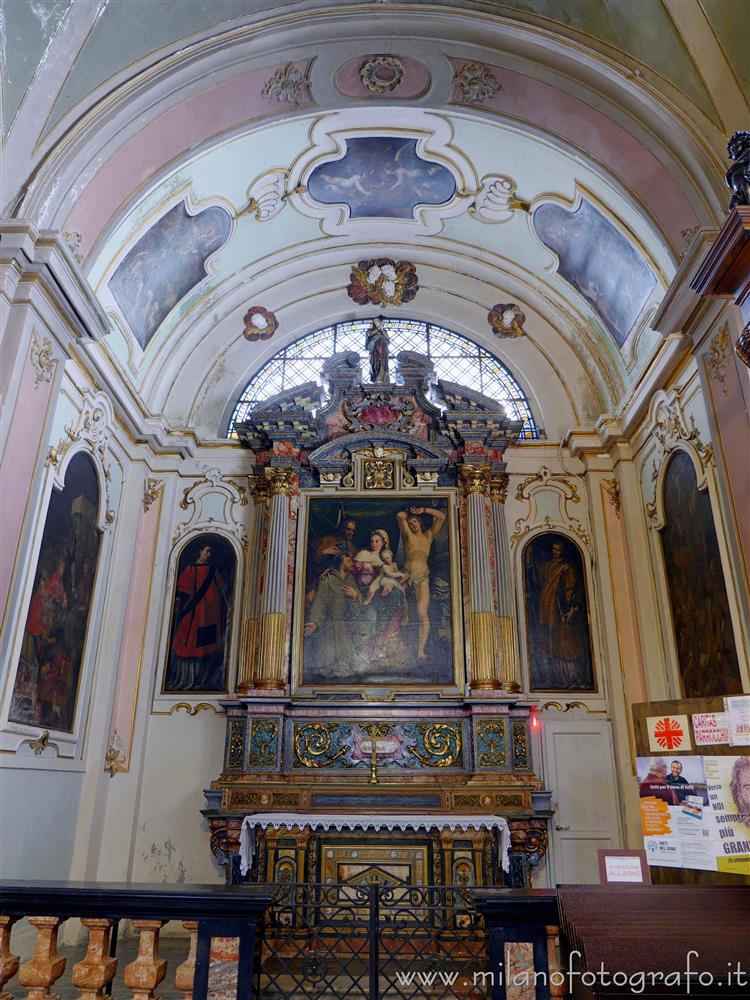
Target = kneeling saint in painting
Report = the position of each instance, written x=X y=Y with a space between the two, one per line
x=382 y=614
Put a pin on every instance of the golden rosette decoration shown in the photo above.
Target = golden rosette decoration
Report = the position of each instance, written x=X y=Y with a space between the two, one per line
x=260 y=324
x=383 y=282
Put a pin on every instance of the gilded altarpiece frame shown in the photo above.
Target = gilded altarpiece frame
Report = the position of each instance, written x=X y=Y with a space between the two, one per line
x=377 y=597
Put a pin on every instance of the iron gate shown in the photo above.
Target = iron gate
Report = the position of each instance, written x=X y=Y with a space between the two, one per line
x=367 y=942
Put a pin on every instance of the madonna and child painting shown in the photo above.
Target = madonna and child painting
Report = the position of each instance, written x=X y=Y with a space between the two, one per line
x=378 y=589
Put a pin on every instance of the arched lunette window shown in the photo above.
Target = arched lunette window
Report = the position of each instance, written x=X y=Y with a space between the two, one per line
x=456 y=359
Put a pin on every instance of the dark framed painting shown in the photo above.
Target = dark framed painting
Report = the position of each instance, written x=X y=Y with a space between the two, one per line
x=45 y=692
x=201 y=617
x=704 y=638
x=558 y=628
x=377 y=593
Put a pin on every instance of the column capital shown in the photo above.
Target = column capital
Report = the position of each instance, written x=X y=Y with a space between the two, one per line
x=475 y=478
x=261 y=490
x=499 y=488
x=279 y=479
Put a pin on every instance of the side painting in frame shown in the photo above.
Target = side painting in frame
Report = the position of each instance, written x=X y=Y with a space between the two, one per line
x=200 y=623
x=698 y=597
x=45 y=692
x=557 y=615
x=379 y=592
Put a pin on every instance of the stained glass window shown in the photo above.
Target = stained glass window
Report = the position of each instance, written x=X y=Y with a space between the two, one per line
x=456 y=359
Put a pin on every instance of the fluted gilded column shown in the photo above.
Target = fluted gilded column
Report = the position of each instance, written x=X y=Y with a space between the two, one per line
x=482 y=622
x=506 y=621
x=273 y=619
x=248 y=669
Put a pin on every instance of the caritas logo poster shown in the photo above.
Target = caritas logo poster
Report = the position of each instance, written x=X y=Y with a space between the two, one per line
x=668 y=733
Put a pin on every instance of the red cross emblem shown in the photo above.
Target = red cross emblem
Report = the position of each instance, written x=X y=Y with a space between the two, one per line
x=668 y=734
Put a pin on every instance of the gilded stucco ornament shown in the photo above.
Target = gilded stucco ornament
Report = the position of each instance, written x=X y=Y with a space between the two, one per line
x=474 y=478
x=742 y=347
x=266 y=195
x=672 y=428
x=383 y=281
x=499 y=488
x=287 y=85
x=506 y=320
x=152 y=490
x=42 y=362
x=260 y=324
x=381 y=74
x=476 y=83
x=717 y=357
x=612 y=490
x=72 y=240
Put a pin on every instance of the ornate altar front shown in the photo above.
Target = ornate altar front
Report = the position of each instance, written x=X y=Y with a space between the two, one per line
x=379 y=668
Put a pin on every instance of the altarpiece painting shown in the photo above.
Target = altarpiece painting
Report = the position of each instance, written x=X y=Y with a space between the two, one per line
x=379 y=592
x=557 y=615
x=201 y=617
x=47 y=681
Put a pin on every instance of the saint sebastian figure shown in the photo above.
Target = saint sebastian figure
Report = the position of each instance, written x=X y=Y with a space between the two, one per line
x=417 y=544
x=376 y=343
x=201 y=602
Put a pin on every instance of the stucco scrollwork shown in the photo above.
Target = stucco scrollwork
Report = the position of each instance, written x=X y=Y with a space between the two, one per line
x=288 y=85
x=42 y=362
x=672 y=428
x=549 y=497
x=717 y=357
x=214 y=502
x=496 y=199
x=90 y=431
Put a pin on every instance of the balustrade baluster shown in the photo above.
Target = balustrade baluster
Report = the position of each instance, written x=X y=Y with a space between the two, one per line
x=557 y=980
x=8 y=961
x=45 y=966
x=185 y=973
x=144 y=974
x=97 y=969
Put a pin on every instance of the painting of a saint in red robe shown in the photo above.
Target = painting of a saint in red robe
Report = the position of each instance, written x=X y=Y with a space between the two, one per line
x=201 y=617
x=47 y=680
x=557 y=617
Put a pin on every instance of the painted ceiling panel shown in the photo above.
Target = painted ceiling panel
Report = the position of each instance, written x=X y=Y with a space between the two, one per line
x=26 y=28
x=730 y=20
x=128 y=30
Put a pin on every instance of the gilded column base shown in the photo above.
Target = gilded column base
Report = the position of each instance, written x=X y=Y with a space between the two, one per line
x=271 y=659
x=483 y=633
x=248 y=643
x=506 y=630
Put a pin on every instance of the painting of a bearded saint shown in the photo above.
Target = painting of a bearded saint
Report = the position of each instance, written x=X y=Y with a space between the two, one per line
x=557 y=618
x=201 y=614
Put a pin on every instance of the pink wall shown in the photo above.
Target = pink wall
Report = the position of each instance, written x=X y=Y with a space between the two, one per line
x=18 y=467
x=131 y=651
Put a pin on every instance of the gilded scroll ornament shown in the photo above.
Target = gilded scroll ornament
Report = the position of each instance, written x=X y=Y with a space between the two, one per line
x=264 y=739
x=379 y=475
x=742 y=347
x=43 y=363
x=612 y=489
x=236 y=745
x=152 y=490
x=443 y=745
x=287 y=85
x=717 y=357
x=520 y=744
x=312 y=745
x=491 y=743
x=476 y=83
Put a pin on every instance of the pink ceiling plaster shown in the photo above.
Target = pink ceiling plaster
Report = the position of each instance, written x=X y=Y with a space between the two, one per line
x=415 y=81
x=573 y=120
x=209 y=113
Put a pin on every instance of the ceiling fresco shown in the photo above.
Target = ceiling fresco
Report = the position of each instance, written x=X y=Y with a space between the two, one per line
x=381 y=177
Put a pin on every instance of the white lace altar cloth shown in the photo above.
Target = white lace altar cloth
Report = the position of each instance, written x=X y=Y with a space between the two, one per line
x=336 y=821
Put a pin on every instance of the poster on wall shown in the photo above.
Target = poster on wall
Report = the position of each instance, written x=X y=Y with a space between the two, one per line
x=380 y=593
x=45 y=692
x=695 y=812
x=557 y=615
x=197 y=655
